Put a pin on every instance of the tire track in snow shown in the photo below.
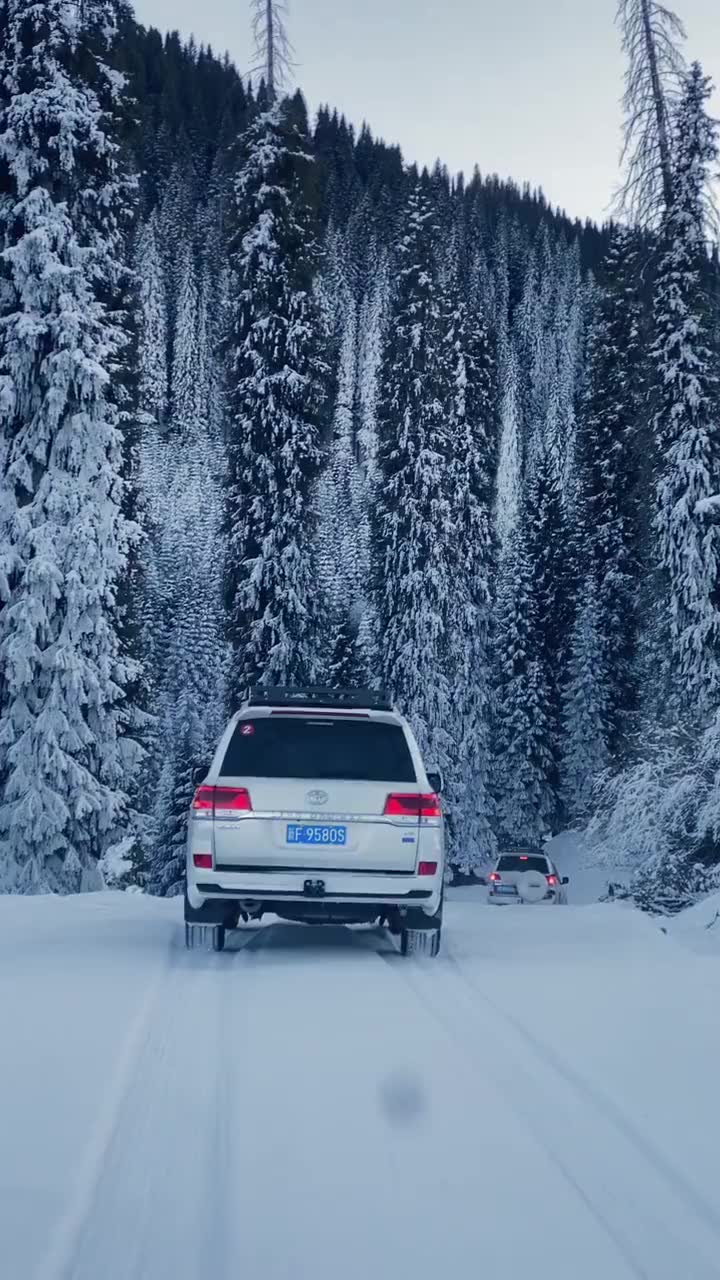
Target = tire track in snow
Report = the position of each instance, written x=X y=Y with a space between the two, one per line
x=62 y=1245
x=606 y=1106
x=638 y=1210
x=223 y=1226
x=148 y=1188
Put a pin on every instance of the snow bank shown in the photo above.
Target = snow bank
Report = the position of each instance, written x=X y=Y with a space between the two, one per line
x=699 y=926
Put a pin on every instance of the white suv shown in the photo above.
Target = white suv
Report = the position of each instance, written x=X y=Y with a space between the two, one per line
x=526 y=876
x=317 y=808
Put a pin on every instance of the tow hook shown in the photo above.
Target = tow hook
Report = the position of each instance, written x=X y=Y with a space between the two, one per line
x=314 y=888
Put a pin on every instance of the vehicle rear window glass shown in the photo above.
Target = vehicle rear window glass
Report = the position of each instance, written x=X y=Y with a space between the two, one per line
x=518 y=862
x=292 y=747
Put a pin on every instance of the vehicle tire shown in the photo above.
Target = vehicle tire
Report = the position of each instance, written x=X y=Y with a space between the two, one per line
x=189 y=936
x=218 y=937
x=420 y=942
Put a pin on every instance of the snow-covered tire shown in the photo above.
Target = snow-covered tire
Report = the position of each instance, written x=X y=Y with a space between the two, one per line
x=189 y=936
x=218 y=937
x=532 y=886
x=420 y=942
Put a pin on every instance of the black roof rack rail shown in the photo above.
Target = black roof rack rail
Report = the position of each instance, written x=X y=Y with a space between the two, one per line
x=316 y=696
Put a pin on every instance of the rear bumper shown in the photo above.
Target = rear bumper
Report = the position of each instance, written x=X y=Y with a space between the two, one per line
x=500 y=899
x=391 y=890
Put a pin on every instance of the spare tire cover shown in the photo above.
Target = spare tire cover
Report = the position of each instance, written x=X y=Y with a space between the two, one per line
x=532 y=886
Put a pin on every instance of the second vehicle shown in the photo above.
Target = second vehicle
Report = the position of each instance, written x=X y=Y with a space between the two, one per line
x=526 y=877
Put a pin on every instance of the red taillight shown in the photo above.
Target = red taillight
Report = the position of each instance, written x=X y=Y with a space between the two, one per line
x=552 y=880
x=203 y=860
x=207 y=800
x=427 y=868
x=494 y=877
x=523 y=857
x=412 y=806
x=233 y=798
x=203 y=800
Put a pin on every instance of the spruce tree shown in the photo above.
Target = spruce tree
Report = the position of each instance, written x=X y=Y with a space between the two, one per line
x=523 y=760
x=347 y=667
x=188 y=641
x=276 y=403
x=63 y=535
x=153 y=323
x=509 y=471
x=584 y=741
x=686 y=417
x=469 y=414
x=412 y=534
x=613 y=443
x=546 y=535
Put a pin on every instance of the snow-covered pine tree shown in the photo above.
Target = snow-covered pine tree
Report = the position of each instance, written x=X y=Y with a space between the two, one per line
x=341 y=499
x=613 y=440
x=189 y=381
x=347 y=661
x=686 y=417
x=414 y=551
x=182 y=736
x=63 y=536
x=549 y=551
x=152 y=412
x=153 y=322
x=188 y=553
x=584 y=750
x=469 y=416
x=509 y=471
x=277 y=401
x=523 y=759
x=372 y=327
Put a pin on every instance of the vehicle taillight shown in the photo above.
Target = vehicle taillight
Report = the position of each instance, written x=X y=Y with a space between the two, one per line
x=232 y=798
x=203 y=801
x=412 y=806
x=207 y=800
x=203 y=860
x=552 y=880
x=494 y=877
x=427 y=868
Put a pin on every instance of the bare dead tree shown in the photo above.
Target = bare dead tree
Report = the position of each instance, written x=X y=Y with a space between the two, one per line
x=652 y=36
x=273 y=51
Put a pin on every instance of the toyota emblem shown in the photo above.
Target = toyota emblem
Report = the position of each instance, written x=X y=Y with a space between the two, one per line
x=317 y=797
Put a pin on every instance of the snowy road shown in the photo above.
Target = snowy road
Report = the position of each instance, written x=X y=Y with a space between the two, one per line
x=540 y=1101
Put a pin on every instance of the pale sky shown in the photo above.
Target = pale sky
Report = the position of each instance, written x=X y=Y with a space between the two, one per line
x=529 y=89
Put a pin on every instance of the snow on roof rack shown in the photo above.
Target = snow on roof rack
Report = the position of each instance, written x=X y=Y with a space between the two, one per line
x=314 y=696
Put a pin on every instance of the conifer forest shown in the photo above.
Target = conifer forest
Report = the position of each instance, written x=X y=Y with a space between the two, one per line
x=276 y=407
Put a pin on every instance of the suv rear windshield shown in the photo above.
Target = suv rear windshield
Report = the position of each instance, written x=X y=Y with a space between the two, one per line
x=523 y=862
x=291 y=747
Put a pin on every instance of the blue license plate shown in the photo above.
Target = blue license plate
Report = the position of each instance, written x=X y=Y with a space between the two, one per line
x=508 y=889
x=315 y=833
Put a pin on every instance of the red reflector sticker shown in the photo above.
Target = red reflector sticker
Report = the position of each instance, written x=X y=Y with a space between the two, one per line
x=247 y=730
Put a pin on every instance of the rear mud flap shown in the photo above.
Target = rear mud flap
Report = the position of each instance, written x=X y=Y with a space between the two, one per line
x=415 y=919
x=214 y=911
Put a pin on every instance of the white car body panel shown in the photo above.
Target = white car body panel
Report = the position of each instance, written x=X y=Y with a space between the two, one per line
x=252 y=860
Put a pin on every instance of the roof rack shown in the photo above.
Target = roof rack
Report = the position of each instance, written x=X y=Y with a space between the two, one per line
x=315 y=696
